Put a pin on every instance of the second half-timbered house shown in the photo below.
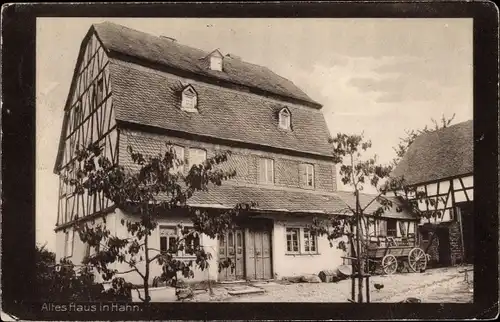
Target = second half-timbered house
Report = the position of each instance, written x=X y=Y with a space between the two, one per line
x=440 y=163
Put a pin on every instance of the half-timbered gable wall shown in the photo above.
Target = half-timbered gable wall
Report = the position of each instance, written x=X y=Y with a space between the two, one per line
x=89 y=118
x=445 y=194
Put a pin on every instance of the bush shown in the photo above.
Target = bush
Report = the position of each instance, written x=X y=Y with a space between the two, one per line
x=64 y=282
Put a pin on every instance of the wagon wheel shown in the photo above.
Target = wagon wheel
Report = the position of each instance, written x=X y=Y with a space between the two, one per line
x=417 y=259
x=389 y=264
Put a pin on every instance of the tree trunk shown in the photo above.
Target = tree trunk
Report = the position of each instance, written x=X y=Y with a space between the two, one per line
x=358 y=250
x=147 y=298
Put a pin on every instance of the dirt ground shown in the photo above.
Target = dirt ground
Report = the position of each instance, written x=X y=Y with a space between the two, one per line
x=443 y=285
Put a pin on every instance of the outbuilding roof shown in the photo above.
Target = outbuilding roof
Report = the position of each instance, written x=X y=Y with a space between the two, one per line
x=441 y=154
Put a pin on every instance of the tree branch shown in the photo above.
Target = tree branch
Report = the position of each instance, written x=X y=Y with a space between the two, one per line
x=138 y=293
x=134 y=268
x=126 y=272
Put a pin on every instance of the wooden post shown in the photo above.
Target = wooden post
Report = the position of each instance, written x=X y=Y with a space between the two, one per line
x=353 y=287
x=367 y=288
x=459 y=217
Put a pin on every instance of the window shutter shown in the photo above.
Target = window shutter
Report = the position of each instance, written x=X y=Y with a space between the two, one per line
x=262 y=170
x=303 y=174
x=270 y=171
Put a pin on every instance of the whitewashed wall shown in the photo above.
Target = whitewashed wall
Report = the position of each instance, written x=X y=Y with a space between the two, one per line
x=154 y=242
x=292 y=265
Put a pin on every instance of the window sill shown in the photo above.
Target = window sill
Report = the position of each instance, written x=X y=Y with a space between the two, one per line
x=190 y=110
x=302 y=254
x=184 y=257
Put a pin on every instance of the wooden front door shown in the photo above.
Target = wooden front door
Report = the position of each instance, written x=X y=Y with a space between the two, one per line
x=258 y=248
x=232 y=247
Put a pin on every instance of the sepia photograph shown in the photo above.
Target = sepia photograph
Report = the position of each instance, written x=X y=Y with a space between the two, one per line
x=261 y=160
x=257 y=161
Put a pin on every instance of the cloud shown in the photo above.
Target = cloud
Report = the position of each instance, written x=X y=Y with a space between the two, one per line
x=450 y=70
x=403 y=87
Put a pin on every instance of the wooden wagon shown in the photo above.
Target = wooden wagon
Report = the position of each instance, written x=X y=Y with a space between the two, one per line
x=394 y=256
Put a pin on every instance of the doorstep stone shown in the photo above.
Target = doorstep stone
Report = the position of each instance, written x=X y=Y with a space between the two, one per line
x=245 y=290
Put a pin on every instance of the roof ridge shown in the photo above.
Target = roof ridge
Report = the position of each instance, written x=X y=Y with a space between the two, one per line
x=120 y=39
x=443 y=129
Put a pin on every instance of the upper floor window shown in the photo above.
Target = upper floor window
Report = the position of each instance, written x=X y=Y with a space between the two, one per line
x=285 y=119
x=189 y=99
x=77 y=114
x=216 y=60
x=100 y=90
x=68 y=243
x=307 y=175
x=266 y=170
x=197 y=156
x=216 y=63
x=178 y=164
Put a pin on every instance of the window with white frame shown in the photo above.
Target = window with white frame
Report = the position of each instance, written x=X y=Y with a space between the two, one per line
x=168 y=238
x=310 y=241
x=171 y=240
x=197 y=156
x=216 y=62
x=307 y=175
x=68 y=243
x=292 y=240
x=285 y=119
x=178 y=164
x=189 y=99
x=266 y=170
x=301 y=241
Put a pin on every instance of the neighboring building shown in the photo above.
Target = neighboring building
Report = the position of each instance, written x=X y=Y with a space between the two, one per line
x=441 y=164
x=134 y=89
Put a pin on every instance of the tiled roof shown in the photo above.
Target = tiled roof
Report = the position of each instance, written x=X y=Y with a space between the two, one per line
x=366 y=200
x=280 y=200
x=149 y=97
x=157 y=50
x=438 y=155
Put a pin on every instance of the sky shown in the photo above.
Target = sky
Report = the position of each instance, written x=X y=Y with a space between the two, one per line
x=376 y=76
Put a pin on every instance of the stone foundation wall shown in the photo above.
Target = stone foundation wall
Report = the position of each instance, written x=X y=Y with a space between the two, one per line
x=454 y=242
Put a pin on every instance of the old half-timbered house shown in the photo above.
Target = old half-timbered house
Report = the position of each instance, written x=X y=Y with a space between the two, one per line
x=440 y=163
x=134 y=89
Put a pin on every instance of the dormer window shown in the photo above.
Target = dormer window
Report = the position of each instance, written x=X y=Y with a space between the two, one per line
x=216 y=63
x=189 y=99
x=285 y=119
x=215 y=59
